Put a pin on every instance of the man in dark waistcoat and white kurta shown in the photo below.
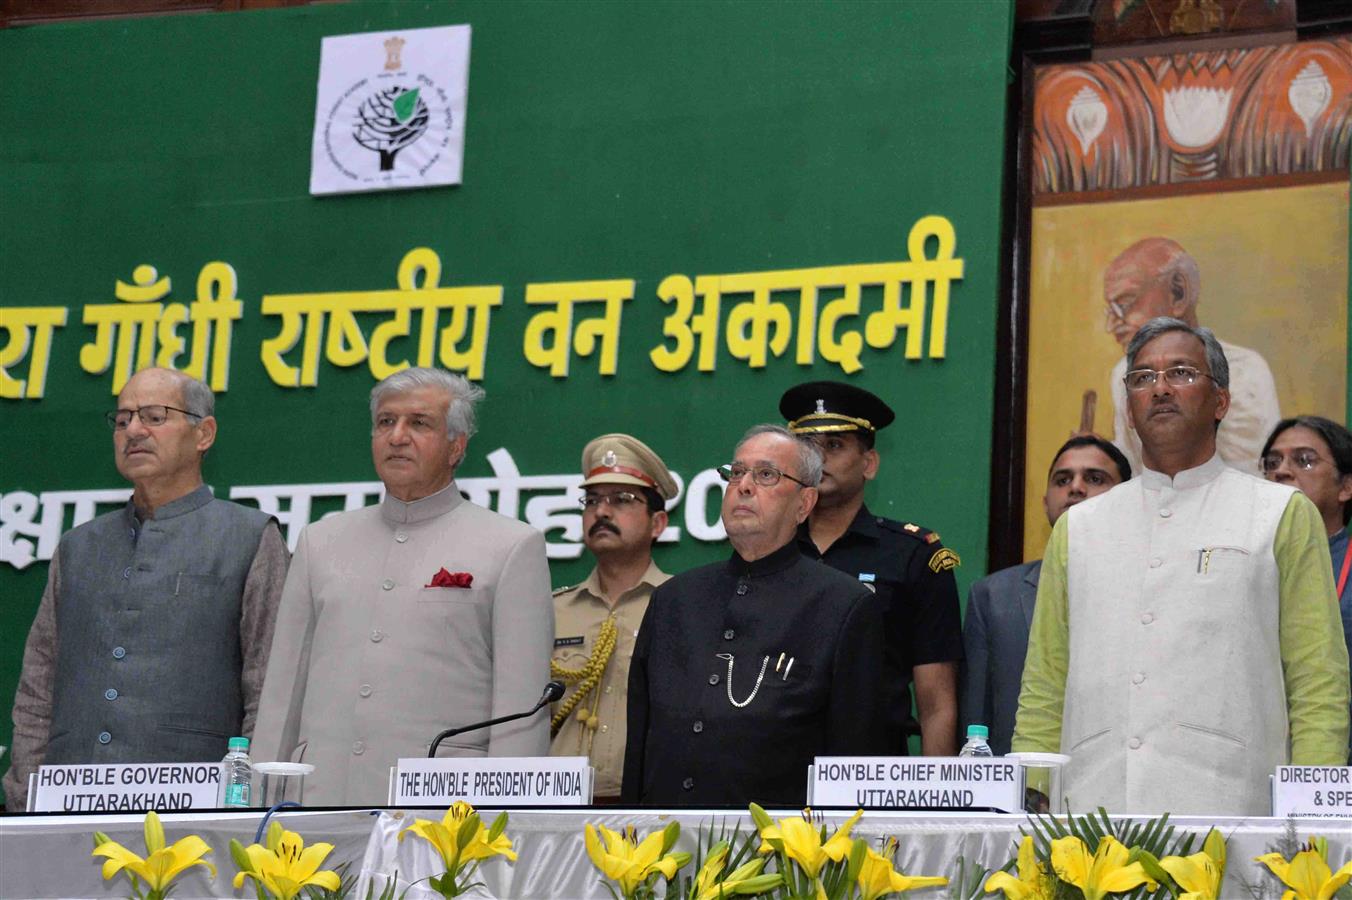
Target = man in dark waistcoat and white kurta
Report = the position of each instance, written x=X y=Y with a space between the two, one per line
x=745 y=670
x=403 y=619
x=152 y=636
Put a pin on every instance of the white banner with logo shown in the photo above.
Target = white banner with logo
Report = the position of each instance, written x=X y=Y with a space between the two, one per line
x=390 y=111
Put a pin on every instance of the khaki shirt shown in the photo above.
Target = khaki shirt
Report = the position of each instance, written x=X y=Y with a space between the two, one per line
x=578 y=614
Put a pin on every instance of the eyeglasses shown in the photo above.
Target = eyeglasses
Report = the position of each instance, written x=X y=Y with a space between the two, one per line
x=765 y=476
x=1174 y=376
x=1119 y=310
x=150 y=416
x=1301 y=459
x=618 y=500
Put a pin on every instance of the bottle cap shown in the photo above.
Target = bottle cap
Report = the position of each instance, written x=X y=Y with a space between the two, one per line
x=238 y=743
x=978 y=731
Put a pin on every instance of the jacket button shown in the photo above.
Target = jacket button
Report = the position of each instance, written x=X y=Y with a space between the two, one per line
x=400 y=537
x=358 y=748
x=364 y=690
x=377 y=636
x=729 y=634
x=697 y=727
x=713 y=679
x=388 y=584
x=688 y=784
x=1134 y=743
x=110 y=694
x=126 y=573
x=1146 y=618
x=1138 y=678
x=1166 y=513
x=104 y=737
x=119 y=652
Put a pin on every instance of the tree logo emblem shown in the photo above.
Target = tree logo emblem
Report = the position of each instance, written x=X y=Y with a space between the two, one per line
x=390 y=120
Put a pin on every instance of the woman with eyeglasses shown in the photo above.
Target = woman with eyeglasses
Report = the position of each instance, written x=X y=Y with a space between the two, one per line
x=1315 y=454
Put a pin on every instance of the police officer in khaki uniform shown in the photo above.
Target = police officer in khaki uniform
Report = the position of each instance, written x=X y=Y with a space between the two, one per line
x=623 y=512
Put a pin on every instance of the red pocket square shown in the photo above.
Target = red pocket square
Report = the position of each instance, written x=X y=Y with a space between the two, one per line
x=451 y=579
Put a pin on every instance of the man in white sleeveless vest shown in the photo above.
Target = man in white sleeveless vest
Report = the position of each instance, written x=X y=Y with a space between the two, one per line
x=406 y=618
x=152 y=636
x=1186 y=638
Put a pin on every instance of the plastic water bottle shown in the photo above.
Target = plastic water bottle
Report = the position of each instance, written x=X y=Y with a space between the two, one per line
x=237 y=775
x=976 y=742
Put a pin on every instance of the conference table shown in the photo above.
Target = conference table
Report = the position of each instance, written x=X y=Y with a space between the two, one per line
x=49 y=855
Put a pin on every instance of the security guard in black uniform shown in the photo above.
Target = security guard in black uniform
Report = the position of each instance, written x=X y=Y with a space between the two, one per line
x=904 y=563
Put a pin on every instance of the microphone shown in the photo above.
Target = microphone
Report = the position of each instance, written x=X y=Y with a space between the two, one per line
x=553 y=691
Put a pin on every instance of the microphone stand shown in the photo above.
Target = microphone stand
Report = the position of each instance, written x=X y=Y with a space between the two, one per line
x=552 y=693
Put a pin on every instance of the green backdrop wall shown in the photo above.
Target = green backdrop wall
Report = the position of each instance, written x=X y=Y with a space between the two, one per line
x=604 y=141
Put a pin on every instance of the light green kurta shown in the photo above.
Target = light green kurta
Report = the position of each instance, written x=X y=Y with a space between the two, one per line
x=1313 y=664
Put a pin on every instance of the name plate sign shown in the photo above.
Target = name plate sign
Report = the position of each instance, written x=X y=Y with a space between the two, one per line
x=127 y=787
x=1324 y=791
x=492 y=781
x=930 y=782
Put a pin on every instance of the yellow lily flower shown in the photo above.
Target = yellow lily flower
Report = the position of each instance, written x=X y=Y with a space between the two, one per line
x=285 y=865
x=1307 y=874
x=707 y=877
x=1105 y=872
x=628 y=863
x=801 y=841
x=161 y=864
x=877 y=877
x=1033 y=883
x=446 y=838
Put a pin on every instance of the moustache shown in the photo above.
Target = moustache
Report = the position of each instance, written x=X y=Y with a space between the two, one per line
x=603 y=525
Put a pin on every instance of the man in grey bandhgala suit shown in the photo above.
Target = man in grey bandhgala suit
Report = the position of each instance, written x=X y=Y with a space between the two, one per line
x=406 y=618
x=152 y=636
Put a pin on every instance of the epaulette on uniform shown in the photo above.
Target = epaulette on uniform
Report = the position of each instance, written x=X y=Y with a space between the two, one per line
x=563 y=590
x=919 y=532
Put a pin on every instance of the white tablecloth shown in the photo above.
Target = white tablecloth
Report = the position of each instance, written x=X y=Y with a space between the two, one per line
x=49 y=856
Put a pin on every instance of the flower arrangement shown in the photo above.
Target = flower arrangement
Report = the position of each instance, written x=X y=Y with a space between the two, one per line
x=1307 y=874
x=284 y=865
x=161 y=864
x=633 y=864
x=463 y=843
x=808 y=864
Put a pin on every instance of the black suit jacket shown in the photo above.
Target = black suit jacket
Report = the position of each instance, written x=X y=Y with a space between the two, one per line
x=699 y=738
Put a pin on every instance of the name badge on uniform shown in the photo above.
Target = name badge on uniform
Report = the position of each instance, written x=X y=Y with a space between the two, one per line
x=867 y=579
x=568 y=641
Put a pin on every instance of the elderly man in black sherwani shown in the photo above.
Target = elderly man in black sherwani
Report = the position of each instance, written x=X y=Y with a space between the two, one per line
x=745 y=670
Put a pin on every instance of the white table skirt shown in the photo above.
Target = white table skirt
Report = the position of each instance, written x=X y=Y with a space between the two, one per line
x=49 y=856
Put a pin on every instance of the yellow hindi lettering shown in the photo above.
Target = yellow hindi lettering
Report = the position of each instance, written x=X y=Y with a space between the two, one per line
x=766 y=322
x=550 y=338
x=121 y=329
x=30 y=330
x=684 y=324
x=303 y=317
x=882 y=326
x=211 y=314
x=126 y=336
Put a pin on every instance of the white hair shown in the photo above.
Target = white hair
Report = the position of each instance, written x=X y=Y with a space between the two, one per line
x=461 y=394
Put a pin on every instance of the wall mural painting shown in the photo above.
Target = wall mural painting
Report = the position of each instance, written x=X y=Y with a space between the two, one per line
x=1211 y=186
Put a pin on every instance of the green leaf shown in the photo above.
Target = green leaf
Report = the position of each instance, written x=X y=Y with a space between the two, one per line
x=240 y=856
x=405 y=105
x=498 y=827
x=468 y=829
x=670 y=835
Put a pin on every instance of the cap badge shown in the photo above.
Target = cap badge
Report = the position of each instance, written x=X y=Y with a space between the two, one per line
x=821 y=405
x=609 y=459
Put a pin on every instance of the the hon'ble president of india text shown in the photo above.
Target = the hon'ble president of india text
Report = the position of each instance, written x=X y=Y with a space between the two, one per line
x=1186 y=638
x=400 y=620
